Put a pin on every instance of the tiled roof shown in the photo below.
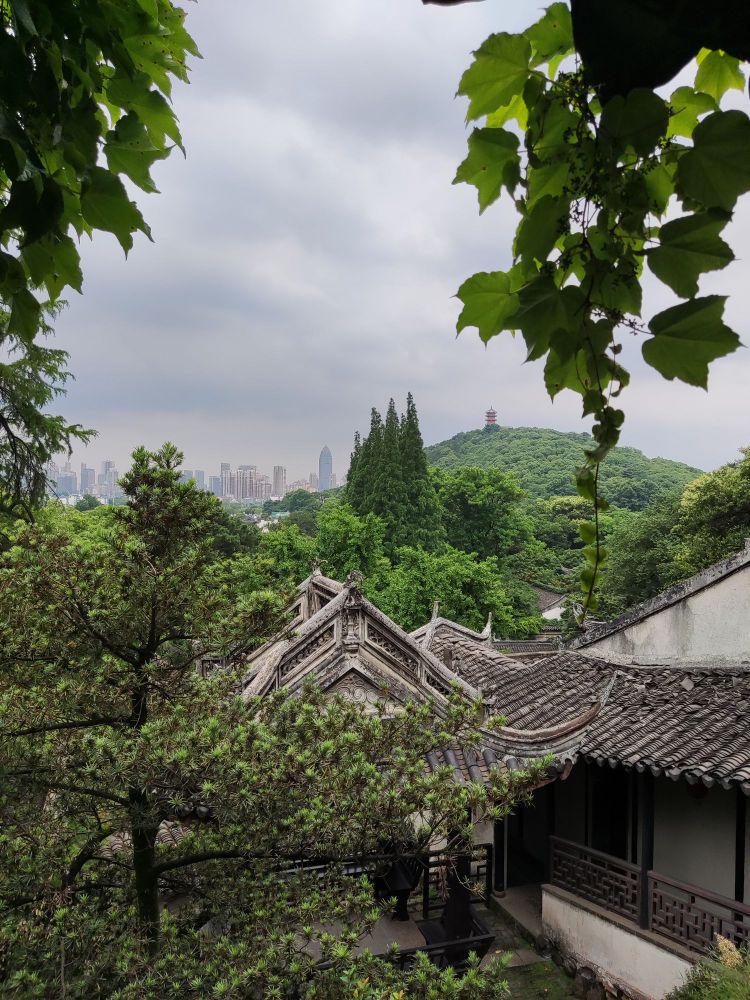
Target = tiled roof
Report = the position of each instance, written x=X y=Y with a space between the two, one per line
x=532 y=647
x=677 y=721
x=547 y=599
x=477 y=662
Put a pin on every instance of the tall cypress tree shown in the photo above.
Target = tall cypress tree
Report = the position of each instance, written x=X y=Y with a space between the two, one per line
x=354 y=475
x=422 y=522
x=389 y=494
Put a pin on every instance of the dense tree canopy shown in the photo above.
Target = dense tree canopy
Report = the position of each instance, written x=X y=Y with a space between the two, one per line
x=679 y=535
x=84 y=102
x=543 y=462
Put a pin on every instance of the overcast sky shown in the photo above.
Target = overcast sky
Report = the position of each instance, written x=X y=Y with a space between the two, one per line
x=308 y=249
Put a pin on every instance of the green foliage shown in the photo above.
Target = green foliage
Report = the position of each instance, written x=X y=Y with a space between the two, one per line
x=388 y=477
x=153 y=821
x=593 y=180
x=346 y=542
x=468 y=590
x=289 y=554
x=76 y=80
x=724 y=975
x=293 y=502
x=482 y=511
x=677 y=536
x=87 y=503
x=542 y=461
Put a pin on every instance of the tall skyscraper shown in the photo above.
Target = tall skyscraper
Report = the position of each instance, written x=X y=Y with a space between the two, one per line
x=214 y=485
x=88 y=479
x=279 y=480
x=186 y=475
x=200 y=478
x=314 y=480
x=325 y=469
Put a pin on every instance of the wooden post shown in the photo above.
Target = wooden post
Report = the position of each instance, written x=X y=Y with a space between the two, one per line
x=646 y=852
x=739 y=846
x=498 y=855
x=457 y=920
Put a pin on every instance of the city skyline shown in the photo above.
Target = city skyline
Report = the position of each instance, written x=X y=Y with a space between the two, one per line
x=245 y=481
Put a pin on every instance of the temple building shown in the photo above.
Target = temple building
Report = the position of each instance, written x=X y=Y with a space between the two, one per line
x=634 y=850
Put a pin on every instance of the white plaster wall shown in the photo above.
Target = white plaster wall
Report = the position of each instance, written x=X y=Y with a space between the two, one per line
x=712 y=624
x=610 y=950
x=694 y=839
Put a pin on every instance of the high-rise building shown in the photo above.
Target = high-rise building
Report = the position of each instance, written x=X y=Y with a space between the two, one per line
x=228 y=480
x=214 y=485
x=279 y=480
x=245 y=482
x=334 y=481
x=67 y=483
x=325 y=468
x=88 y=479
x=314 y=480
x=200 y=478
x=186 y=475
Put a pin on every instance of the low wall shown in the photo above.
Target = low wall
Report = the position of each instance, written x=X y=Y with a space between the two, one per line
x=617 y=952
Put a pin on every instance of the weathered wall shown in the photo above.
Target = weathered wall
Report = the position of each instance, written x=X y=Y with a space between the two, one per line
x=694 y=838
x=708 y=625
x=614 y=953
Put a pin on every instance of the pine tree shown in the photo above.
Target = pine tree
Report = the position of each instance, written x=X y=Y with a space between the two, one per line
x=422 y=522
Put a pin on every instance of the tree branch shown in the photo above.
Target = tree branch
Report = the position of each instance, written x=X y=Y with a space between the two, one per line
x=75 y=724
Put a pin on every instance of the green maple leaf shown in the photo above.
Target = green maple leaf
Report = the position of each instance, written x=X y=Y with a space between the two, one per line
x=497 y=75
x=687 y=104
x=717 y=73
x=543 y=310
x=105 y=205
x=688 y=247
x=638 y=120
x=492 y=164
x=688 y=337
x=541 y=228
x=490 y=301
x=716 y=171
x=130 y=151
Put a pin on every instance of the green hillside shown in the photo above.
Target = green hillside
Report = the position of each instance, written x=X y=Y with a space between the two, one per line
x=544 y=460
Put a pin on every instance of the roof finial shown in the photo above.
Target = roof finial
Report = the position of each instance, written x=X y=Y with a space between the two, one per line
x=487 y=631
x=315 y=567
x=435 y=610
x=354 y=580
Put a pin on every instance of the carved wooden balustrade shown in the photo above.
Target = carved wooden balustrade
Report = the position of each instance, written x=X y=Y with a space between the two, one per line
x=694 y=916
x=681 y=912
x=607 y=881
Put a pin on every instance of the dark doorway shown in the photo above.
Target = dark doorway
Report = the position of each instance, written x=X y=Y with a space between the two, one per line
x=528 y=840
x=609 y=791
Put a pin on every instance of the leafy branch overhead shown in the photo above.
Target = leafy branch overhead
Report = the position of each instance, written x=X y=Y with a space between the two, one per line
x=85 y=106
x=605 y=183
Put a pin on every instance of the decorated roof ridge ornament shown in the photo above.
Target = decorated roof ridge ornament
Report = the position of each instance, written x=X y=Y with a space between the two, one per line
x=315 y=569
x=486 y=632
x=435 y=611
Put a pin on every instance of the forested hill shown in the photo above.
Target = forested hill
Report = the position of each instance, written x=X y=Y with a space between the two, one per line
x=543 y=461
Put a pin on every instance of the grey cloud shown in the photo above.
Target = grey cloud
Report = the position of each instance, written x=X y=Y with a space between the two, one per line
x=307 y=252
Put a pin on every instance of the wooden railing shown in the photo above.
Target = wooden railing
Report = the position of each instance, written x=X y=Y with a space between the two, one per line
x=681 y=912
x=604 y=880
x=436 y=869
x=694 y=916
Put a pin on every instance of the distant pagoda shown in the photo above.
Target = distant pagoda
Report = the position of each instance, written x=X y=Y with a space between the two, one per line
x=490 y=420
